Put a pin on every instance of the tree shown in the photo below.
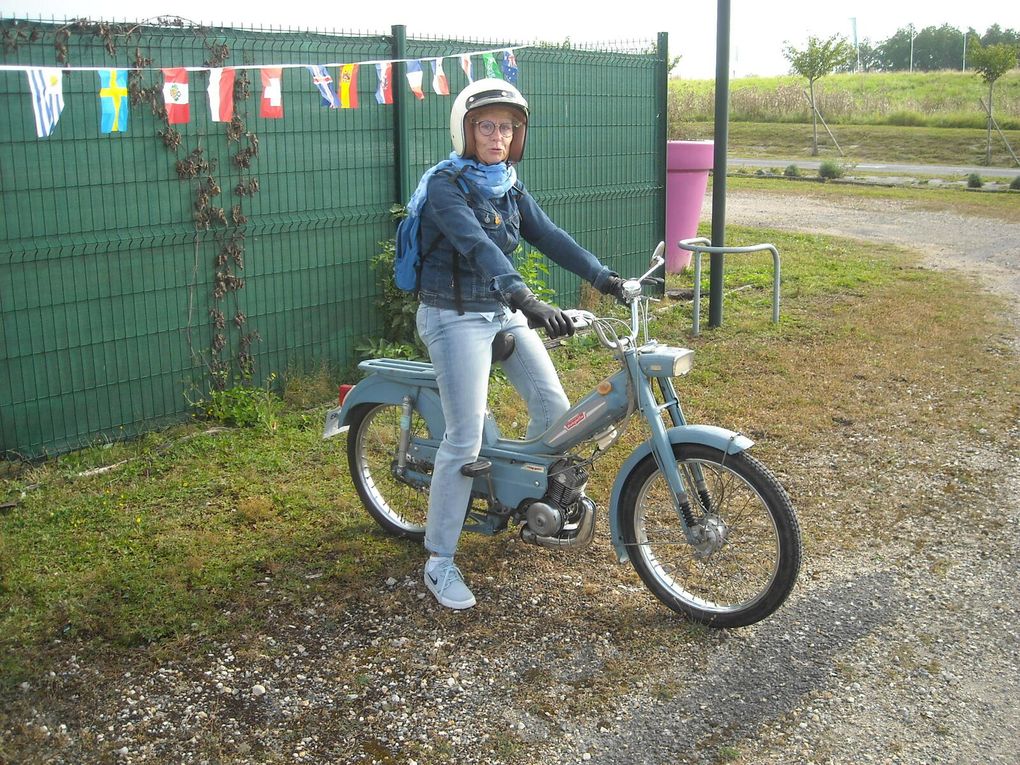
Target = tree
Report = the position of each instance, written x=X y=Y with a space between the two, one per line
x=995 y=35
x=819 y=58
x=991 y=63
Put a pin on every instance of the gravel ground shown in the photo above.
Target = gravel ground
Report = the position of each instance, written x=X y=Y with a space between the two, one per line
x=902 y=650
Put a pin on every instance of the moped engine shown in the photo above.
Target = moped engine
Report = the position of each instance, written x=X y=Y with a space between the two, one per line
x=564 y=517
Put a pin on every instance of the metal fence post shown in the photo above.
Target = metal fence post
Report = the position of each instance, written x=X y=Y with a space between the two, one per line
x=401 y=131
x=662 y=136
x=722 y=130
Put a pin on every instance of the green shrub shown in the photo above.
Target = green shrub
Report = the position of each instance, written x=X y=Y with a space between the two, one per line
x=243 y=405
x=974 y=181
x=381 y=348
x=792 y=171
x=906 y=119
x=396 y=307
x=532 y=268
x=1015 y=183
x=829 y=169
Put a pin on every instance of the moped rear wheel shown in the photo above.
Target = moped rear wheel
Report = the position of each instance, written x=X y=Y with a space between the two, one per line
x=372 y=443
x=746 y=564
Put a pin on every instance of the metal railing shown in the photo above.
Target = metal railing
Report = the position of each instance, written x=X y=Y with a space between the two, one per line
x=700 y=245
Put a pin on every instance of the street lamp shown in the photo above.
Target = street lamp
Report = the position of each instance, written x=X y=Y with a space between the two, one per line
x=913 y=34
x=857 y=47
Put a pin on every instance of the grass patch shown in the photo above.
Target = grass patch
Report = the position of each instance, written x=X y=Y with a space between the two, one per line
x=199 y=533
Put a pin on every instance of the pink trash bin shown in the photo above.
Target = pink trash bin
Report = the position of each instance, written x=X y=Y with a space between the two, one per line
x=687 y=166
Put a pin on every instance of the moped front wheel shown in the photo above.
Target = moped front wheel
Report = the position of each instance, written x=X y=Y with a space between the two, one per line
x=372 y=443
x=749 y=550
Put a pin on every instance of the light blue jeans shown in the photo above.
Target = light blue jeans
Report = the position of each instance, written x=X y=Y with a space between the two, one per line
x=461 y=351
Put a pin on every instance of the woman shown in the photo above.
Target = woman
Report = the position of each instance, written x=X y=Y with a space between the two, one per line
x=472 y=213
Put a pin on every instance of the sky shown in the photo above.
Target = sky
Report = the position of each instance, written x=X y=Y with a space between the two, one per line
x=758 y=29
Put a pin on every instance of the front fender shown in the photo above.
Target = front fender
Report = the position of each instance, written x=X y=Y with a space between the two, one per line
x=376 y=389
x=705 y=435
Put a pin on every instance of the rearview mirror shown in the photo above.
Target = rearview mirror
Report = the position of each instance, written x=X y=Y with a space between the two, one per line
x=657 y=256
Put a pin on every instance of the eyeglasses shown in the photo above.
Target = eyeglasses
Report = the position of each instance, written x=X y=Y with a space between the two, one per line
x=488 y=127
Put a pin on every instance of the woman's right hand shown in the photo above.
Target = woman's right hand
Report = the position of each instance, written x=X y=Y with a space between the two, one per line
x=541 y=315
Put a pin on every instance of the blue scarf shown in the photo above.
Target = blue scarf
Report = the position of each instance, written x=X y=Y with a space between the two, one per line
x=494 y=180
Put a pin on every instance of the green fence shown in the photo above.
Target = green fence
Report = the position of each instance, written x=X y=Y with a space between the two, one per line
x=137 y=266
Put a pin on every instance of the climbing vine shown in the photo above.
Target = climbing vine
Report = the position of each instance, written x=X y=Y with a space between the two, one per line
x=216 y=219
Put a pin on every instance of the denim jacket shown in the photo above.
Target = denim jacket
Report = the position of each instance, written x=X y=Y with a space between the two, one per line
x=480 y=241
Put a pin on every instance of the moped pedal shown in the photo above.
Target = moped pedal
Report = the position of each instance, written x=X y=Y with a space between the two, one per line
x=476 y=468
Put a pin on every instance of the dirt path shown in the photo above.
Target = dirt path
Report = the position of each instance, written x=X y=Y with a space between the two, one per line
x=987 y=248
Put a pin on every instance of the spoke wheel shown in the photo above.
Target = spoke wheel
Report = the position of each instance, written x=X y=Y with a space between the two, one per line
x=372 y=443
x=746 y=559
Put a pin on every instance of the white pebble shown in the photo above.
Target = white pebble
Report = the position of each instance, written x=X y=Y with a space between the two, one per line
x=258 y=690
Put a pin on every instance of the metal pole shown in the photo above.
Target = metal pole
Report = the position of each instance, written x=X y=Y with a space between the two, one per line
x=661 y=137
x=722 y=131
x=401 y=131
x=912 y=36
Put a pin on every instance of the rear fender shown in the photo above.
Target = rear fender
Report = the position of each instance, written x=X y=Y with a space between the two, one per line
x=376 y=389
x=705 y=435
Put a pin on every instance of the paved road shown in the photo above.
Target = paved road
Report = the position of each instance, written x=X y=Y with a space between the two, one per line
x=886 y=167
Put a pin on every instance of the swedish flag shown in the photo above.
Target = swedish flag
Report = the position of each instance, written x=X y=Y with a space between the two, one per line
x=113 y=96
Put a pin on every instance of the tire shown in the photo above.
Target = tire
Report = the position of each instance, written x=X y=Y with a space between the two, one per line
x=750 y=574
x=372 y=442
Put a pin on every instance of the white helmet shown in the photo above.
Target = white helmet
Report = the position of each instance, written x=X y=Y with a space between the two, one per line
x=488 y=92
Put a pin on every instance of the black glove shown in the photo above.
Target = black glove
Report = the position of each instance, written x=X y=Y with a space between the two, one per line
x=613 y=286
x=541 y=315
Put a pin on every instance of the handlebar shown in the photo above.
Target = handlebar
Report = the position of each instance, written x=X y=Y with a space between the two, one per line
x=632 y=297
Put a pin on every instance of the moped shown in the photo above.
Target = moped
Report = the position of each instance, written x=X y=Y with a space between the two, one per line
x=708 y=528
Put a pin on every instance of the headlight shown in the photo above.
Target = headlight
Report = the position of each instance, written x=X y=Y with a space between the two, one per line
x=667 y=362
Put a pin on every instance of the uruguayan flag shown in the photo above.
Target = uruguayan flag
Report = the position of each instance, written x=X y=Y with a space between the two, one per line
x=47 y=86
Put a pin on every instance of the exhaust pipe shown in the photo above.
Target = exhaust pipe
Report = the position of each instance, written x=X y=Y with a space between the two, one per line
x=574 y=535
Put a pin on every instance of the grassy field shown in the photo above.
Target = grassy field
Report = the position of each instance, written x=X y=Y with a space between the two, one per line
x=167 y=542
x=932 y=99
x=895 y=117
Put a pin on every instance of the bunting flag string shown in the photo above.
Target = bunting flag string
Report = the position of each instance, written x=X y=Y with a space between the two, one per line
x=510 y=67
x=322 y=80
x=492 y=69
x=332 y=64
x=46 y=87
x=175 y=96
x=221 y=94
x=271 y=103
x=439 y=82
x=414 y=79
x=384 y=91
x=113 y=97
x=349 y=86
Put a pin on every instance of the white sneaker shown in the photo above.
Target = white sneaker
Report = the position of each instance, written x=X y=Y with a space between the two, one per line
x=445 y=581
